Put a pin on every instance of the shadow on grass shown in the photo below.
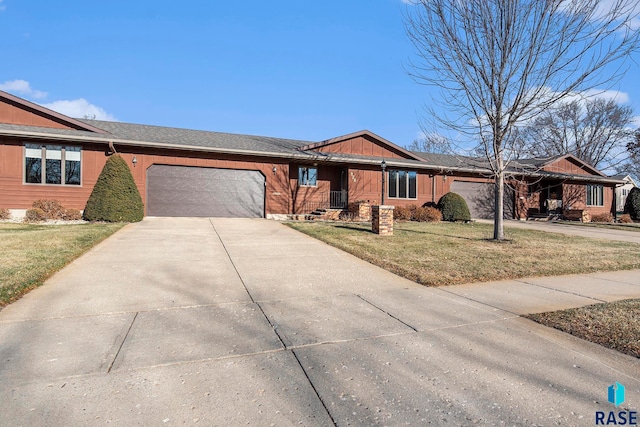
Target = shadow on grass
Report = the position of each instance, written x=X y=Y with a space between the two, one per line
x=472 y=239
x=346 y=227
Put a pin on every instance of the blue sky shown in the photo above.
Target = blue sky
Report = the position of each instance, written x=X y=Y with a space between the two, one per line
x=307 y=70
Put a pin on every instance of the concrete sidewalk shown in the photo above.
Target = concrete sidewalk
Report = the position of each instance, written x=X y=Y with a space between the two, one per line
x=632 y=236
x=235 y=322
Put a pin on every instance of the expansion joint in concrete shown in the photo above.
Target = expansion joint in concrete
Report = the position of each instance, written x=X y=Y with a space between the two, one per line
x=124 y=338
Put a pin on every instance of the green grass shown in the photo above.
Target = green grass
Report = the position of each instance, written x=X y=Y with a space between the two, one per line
x=436 y=254
x=453 y=253
x=30 y=253
x=614 y=325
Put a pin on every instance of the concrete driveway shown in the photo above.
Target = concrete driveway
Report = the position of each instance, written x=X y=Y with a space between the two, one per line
x=235 y=322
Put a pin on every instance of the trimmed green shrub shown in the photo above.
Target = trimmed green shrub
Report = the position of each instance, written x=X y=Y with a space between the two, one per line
x=35 y=215
x=632 y=205
x=453 y=208
x=427 y=214
x=115 y=197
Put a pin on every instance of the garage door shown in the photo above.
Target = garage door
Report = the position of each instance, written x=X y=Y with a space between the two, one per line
x=480 y=198
x=209 y=192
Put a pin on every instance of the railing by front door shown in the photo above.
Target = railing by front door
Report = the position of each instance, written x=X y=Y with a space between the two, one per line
x=332 y=200
x=338 y=199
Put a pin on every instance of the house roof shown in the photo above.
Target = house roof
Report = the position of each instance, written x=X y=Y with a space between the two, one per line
x=624 y=177
x=48 y=113
x=315 y=145
x=128 y=134
x=177 y=137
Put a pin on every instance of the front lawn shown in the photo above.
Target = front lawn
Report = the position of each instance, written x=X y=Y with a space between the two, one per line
x=615 y=325
x=436 y=254
x=31 y=253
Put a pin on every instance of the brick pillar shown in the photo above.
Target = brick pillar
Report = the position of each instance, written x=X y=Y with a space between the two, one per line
x=360 y=211
x=364 y=212
x=382 y=220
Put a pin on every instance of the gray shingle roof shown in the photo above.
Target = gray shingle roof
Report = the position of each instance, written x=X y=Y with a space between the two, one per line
x=46 y=130
x=127 y=133
x=198 y=138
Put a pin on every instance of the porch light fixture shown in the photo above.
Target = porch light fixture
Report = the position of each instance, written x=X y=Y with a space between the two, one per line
x=383 y=165
x=275 y=169
x=134 y=161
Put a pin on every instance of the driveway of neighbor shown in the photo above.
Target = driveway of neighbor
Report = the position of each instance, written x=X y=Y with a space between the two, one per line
x=232 y=322
x=574 y=230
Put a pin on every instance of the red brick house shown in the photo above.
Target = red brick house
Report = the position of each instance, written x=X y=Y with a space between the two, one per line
x=182 y=172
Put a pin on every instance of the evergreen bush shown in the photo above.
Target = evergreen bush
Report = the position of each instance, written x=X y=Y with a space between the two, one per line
x=453 y=208
x=115 y=197
x=632 y=205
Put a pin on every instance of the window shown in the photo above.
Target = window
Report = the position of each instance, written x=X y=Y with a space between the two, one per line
x=307 y=176
x=402 y=184
x=595 y=195
x=61 y=165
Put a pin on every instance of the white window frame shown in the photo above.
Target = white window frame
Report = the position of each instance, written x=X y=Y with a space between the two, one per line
x=397 y=184
x=595 y=195
x=66 y=152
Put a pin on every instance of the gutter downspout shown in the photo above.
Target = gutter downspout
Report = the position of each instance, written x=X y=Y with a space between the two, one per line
x=433 y=188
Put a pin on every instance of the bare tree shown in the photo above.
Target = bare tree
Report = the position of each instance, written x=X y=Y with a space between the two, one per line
x=594 y=130
x=500 y=63
x=431 y=143
x=632 y=165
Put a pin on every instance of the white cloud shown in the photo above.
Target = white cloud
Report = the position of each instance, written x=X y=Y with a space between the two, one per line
x=80 y=108
x=636 y=121
x=23 y=88
x=615 y=95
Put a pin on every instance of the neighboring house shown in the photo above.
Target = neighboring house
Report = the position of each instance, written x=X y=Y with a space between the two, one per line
x=622 y=191
x=182 y=172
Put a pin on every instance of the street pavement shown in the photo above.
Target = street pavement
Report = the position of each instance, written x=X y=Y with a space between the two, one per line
x=195 y=321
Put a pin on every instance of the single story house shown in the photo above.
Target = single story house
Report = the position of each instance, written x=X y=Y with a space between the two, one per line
x=623 y=191
x=182 y=172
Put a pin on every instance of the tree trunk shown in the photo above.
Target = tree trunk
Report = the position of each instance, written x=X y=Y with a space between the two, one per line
x=498 y=222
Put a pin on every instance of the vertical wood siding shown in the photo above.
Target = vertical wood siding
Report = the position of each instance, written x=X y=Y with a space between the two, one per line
x=12 y=114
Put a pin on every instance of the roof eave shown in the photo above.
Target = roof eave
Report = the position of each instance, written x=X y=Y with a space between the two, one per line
x=337 y=139
x=145 y=144
x=51 y=113
x=303 y=156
